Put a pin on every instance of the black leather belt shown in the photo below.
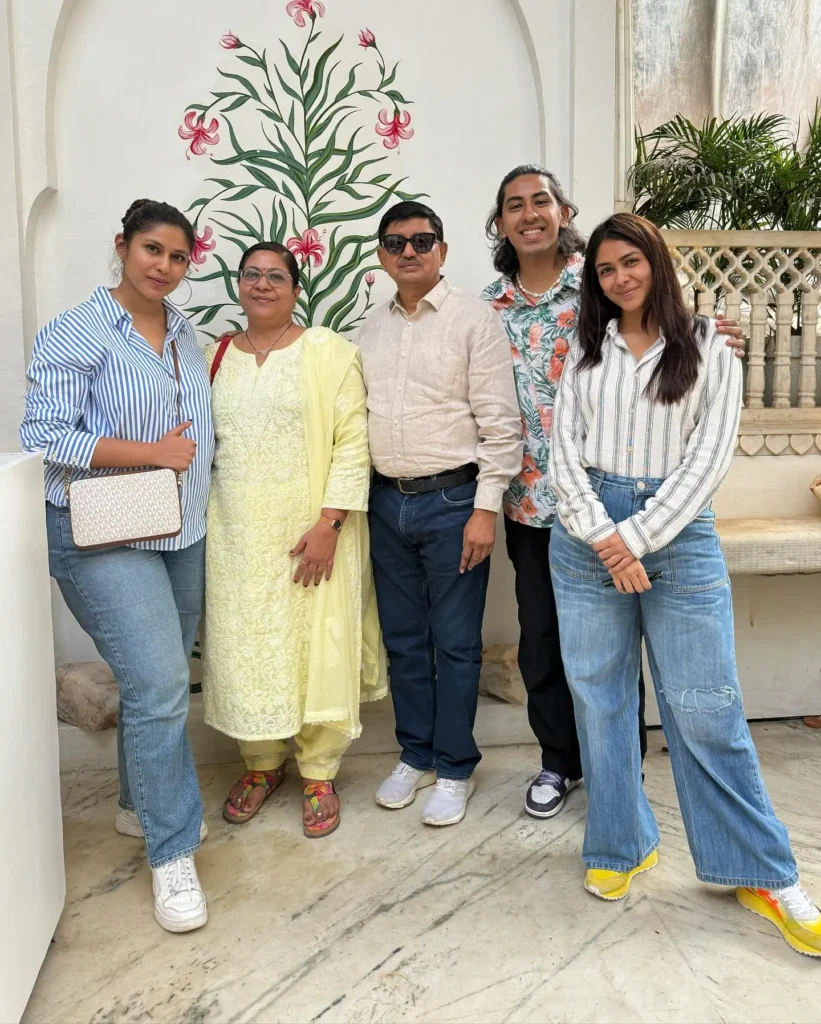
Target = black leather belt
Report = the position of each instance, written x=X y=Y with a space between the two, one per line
x=424 y=484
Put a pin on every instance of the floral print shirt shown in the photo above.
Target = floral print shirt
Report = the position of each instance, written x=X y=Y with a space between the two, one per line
x=540 y=335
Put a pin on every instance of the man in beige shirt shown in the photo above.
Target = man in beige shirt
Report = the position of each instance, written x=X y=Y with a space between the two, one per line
x=446 y=439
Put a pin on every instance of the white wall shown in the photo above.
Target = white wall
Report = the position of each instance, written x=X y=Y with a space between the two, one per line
x=12 y=386
x=32 y=876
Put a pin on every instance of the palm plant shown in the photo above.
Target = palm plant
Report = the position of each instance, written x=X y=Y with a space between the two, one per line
x=737 y=173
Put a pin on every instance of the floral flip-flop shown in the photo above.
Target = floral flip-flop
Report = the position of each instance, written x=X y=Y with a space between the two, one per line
x=269 y=781
x=313 y=792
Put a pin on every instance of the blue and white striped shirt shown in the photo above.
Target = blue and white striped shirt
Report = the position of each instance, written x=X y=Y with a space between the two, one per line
x=93 y=375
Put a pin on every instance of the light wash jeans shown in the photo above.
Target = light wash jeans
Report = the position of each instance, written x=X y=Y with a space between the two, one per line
x=687 y=622
x=142 y=609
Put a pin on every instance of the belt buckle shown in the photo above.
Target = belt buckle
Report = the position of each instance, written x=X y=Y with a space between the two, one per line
x=401 y=488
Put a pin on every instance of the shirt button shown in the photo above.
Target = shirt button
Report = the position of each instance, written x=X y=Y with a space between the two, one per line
x=640 y=485
x=399 y=387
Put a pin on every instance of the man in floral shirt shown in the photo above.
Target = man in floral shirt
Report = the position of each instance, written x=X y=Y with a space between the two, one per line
x=540 y=254
x=540 y=334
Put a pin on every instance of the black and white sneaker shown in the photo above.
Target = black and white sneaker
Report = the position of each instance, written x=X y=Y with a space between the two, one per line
x=547 y=793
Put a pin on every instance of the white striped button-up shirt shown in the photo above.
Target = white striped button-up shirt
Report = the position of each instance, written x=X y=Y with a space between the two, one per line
x=604 y=420
x=92 y=375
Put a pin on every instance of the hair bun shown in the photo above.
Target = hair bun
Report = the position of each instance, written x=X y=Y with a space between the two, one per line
x=134 y=207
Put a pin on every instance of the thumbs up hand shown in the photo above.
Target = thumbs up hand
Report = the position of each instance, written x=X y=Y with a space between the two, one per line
x=173 y=451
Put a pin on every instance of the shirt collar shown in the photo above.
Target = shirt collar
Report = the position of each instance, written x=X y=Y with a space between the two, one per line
x=116 y=314
x=435 y=297
x=612 y=334
x=571 y=276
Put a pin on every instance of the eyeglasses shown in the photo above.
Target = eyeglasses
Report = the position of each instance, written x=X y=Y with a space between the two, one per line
x=422 y=241
x=275 y=278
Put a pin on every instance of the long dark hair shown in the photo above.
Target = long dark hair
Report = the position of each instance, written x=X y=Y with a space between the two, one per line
x=505 y=259
x=677 y=370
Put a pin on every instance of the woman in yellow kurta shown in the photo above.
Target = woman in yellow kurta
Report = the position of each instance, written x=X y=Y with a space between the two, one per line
x=291 y=634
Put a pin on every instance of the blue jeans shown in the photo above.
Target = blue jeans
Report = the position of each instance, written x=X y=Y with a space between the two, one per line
x=142 y=609
x=687 y=620
x=431 y=618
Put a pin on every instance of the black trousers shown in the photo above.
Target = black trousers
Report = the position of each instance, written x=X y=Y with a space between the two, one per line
x=549 y=704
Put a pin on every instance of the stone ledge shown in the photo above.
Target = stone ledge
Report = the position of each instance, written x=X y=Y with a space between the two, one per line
x=500 y=675
x=771 y=547
x=87 y=695
x=497 y=725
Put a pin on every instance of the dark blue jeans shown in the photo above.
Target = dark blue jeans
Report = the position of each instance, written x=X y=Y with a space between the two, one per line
x=431 y=617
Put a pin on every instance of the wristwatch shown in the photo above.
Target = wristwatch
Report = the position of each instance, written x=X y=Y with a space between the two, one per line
x=335 y=524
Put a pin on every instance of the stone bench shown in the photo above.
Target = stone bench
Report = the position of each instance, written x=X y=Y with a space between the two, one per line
x=752 y=547
x=771 y=547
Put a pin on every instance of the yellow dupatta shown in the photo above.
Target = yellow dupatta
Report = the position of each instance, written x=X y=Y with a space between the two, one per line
x=347 y=660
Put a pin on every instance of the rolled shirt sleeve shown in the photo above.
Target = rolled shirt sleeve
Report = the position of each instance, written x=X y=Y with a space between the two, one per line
x=495 y=407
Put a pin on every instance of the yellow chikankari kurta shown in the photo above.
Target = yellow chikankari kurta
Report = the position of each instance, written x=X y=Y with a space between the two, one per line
x=291 y=439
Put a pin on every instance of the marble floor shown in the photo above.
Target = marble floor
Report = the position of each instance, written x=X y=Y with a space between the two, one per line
x=389 y=921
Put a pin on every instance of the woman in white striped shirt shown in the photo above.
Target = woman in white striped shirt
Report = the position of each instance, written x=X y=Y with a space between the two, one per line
x=103 y=395
x=643 y=434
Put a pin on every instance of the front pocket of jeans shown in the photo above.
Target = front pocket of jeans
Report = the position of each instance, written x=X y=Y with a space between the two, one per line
x=696 y=560
x=572 y=557
x=461 y=494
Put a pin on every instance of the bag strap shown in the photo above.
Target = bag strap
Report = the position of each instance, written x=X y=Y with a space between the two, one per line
x=177 y=378
x=222 y=348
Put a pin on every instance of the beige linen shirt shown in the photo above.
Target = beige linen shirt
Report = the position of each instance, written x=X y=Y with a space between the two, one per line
x=441 y=391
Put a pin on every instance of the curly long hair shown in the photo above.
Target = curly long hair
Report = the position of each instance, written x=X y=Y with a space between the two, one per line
x=505 y=259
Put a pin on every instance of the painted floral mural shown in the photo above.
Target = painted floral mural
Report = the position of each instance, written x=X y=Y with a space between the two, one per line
x=313 y=171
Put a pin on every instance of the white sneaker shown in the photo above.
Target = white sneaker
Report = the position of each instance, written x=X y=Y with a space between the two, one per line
x=128 y=824
x=399 y=789
x=179 y=902
x=448 y=802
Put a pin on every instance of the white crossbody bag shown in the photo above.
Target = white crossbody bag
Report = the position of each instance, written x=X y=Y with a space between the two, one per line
x=124 y=508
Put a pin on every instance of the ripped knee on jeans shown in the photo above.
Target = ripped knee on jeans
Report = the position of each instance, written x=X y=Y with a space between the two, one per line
x=704 y=699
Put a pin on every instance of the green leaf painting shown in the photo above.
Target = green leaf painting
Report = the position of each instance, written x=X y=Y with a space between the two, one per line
x=314 y=175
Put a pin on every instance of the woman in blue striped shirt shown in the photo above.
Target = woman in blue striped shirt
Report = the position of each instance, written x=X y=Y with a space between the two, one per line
x=103 y=395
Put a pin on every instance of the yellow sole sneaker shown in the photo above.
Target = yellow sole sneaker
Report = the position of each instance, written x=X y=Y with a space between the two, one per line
x=803 y=937
x=615 y=885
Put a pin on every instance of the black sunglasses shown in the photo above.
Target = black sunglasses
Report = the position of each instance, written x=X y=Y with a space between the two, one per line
x=422 y=241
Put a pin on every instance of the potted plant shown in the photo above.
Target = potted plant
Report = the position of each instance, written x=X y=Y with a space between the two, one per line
x=757 y=173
